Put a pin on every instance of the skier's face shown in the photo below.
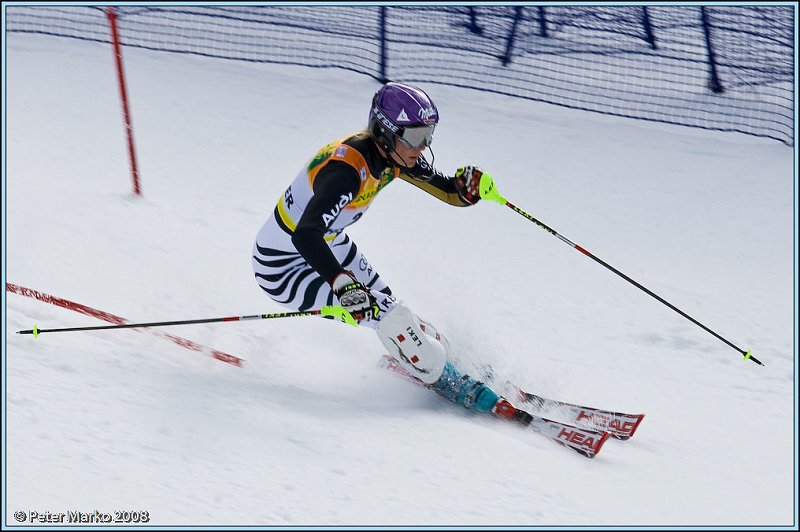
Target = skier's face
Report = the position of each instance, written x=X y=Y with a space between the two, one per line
x=406 y=155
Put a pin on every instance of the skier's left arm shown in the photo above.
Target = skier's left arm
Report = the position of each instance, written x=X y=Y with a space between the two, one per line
x=460 y=190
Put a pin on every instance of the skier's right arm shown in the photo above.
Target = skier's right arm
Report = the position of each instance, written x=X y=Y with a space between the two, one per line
x=460 y=190
x=335 y=180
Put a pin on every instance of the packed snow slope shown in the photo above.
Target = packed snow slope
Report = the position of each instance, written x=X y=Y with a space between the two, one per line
x=310 y=431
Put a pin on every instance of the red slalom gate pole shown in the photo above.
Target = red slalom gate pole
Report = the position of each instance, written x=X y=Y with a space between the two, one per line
x=112 y=22
x=113 y=318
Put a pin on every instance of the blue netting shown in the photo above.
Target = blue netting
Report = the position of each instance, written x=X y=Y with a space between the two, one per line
x=727 y=68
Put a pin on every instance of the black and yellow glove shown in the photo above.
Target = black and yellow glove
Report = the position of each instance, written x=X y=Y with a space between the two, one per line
x=355 y=297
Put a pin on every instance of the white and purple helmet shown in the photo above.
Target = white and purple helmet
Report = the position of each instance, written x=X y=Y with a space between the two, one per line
x=402 y=112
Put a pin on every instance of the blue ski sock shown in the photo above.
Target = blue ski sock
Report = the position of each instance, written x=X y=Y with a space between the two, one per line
x=465 y=390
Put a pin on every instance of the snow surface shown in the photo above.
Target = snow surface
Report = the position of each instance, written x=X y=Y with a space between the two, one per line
x=310 y=431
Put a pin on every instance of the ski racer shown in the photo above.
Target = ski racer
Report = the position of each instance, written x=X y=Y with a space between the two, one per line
x=303 y=259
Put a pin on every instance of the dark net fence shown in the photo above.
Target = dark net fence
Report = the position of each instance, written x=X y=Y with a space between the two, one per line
x=728 y=68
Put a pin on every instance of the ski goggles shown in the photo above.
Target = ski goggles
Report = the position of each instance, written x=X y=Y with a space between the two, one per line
x=417 y=136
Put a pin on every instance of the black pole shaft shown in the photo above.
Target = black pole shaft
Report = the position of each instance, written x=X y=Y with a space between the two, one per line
x=634 y=283
x=36 y=331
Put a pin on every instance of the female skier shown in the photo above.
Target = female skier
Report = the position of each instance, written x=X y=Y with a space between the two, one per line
x=303 y=259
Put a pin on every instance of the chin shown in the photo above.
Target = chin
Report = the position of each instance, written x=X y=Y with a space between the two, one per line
x=404 y=163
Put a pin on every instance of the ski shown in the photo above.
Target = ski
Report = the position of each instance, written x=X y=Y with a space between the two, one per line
x=621 y=425
x=585 y=441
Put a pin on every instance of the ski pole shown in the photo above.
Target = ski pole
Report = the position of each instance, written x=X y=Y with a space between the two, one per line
x=488 y=191
x=335 y=312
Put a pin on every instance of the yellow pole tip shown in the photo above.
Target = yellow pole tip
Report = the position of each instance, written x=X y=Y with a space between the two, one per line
x=339 y=313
